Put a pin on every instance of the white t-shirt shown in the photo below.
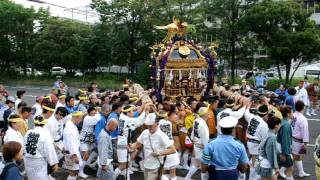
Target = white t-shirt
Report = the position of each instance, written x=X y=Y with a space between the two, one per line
x=200 y=133
x=160 y=142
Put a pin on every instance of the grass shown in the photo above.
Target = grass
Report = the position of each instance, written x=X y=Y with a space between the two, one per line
x=108 y=81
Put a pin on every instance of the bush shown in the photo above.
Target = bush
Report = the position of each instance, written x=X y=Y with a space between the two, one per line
x=143 y=74
x=108 y=81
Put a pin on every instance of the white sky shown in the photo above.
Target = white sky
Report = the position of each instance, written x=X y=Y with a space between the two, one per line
x=62 y=12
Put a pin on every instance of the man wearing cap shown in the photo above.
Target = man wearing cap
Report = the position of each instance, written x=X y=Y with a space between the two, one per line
x=156 y=145
x=200 y=138
x=230 y=103
x=224 y=154
x=71 y=143
x=127 y=122
x=9 y=110
x=257 y=133
x=39 y=151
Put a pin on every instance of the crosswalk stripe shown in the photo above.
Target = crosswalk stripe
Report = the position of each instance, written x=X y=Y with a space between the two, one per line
x=314 y=119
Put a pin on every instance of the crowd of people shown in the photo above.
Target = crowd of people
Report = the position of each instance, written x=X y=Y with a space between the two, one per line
x=236 y=132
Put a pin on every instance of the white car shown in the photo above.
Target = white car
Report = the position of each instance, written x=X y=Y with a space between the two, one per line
x=78 y=74
x=29 y=72
x=58 y=71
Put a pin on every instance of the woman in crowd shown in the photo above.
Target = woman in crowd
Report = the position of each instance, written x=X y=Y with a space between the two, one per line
x=12 y=152
x=269 y=167
x=285 y=139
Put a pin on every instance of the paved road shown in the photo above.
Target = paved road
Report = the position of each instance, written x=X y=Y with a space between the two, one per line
x=314 y=126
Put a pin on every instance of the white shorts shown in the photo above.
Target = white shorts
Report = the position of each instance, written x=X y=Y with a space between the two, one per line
x=69 y=164
x=253 y=148
x=86 y=147
x=36 y=168
x=172 y=161
x=122 y=151
x=296 y=147
x=123 y=155
x=198 y=153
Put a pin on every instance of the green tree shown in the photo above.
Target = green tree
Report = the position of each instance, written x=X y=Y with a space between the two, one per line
x=127 y=18
x=16 y=34
x=225 y=18
x=60 y=43
x=286 y=30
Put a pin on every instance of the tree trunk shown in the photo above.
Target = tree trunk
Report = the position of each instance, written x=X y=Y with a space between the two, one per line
x=233 y=43
x=279 y=71
x=294 y=71
x=233 y=61
x=288 y=66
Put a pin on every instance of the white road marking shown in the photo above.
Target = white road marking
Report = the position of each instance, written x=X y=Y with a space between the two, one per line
x=30 y=96
x=313 y=119
x=30 y=88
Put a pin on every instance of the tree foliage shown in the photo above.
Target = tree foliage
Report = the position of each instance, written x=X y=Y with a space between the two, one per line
x=16 y=34
x=61 y=44
x=225 y=16
x=287 y=32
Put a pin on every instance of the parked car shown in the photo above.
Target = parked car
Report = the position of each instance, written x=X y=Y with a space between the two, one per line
x=29 y=72
x=78 y=73
x=58 y=71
